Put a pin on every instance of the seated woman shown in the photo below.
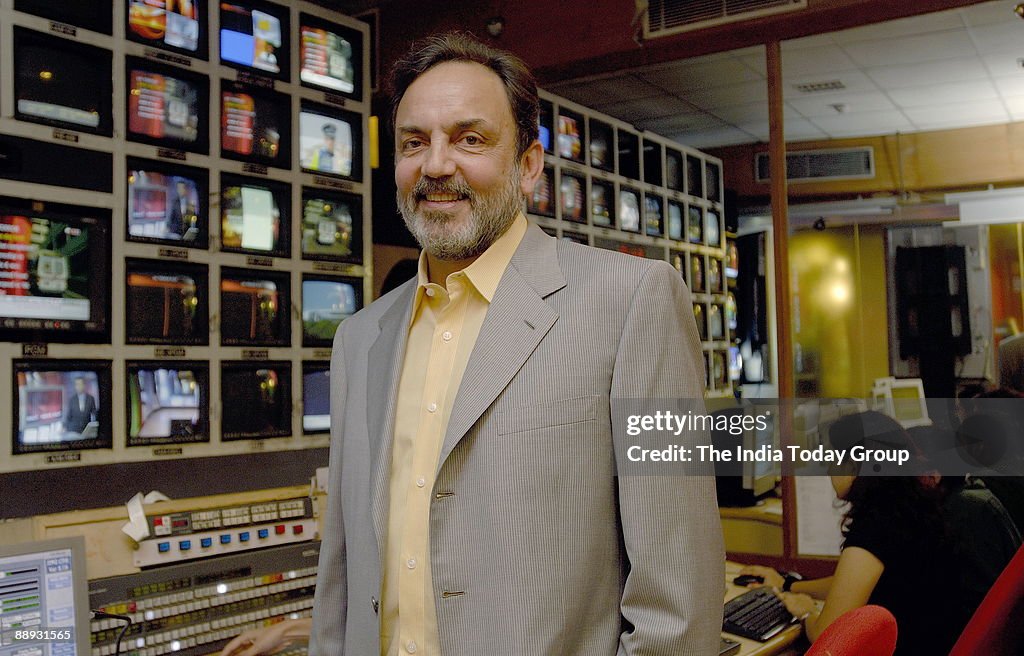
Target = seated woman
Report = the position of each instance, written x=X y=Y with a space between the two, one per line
x=897 y=552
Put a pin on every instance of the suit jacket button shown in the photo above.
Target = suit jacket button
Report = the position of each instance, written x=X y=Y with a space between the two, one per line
x=375 y=604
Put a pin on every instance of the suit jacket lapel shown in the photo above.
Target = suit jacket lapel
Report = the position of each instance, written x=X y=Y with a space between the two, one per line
x=384 y=367
x=516 y=322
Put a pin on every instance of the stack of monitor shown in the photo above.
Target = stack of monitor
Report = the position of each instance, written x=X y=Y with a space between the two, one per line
x=207 y=255
x=610 y=185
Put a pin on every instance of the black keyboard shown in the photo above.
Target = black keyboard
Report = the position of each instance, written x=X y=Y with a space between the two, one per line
x=757 y=614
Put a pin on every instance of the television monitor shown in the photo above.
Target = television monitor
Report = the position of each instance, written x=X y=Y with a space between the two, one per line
x=570 y=135
x=675 y=220
x=255 y=308
x=712 y=228
x=326 y=302
x=652 y=163
x=316 y=397
x=694 y=176
x=256 y=398
x=167 y=204
x=602 y=204
x=716 y=322
x=95 y=15
x=902 y=399
x=629 y=209
x=674 y=169
x=255 y=125
x=167 y=106
x=545 y=126
x=330 y=56
x=540 y=201
x=571 y=198
x=732 y=259
x=697 y=273
x=254 y=216
x=735 y=364
x=702 y=324
x=332 y=226
x=254 y=37
x=330 y=141
x=61 y=405
x=62 y=83
x=45 y=585
x=678 y=261
x=178 y=26
x=31 y=160
x=744 y=484
x=712 y=181
x=577 y=237
x=628 y=148
x=56 y=285
x=602 y=145
x=730 y=311
x=715 y=277
x=168 y=402
x=654 y=221
x=166 y=303
x=695 y=224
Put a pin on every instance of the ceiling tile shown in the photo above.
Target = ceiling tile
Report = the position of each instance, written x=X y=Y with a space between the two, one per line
x=864 y=123
x=736 y=94
x=957 y=115
x=1016 y=107
x=1003 y=64
x=938 y=94
x=681 y=77
x=901 y=28
x=746 y=113
x=1007 y=36
x=989 y=12
x=1010 y=86
x=911 y=49
x=814 y=61
x=605 y=91
x=813 y=106
x=934 y=72
x=632 y=111
x=813 y=41
x=680 y=123
x=713 y=138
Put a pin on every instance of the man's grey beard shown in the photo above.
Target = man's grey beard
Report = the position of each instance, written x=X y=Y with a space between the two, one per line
x=492 y=214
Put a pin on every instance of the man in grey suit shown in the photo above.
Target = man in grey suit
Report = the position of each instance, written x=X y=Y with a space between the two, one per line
x=476 y=502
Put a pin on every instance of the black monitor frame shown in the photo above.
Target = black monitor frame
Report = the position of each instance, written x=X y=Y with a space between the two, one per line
x=281 y=105
x=354 y=37
x=548 y=173
x=584 y=197
x=98 y=18
x=546 y=118
x=595 y=129
x=283 y=53
x=653 y=162
x=202 y=50
x=284 y=371
x=355 y=123
x=201 y=370
x=282 y=192
x=202 y=180
x=283 y=281
x=312 y=367
x=581 y=127
x=102 y=369
x=357 y=286
x=355 y=204
x=200 y=82
x=199 y=272
x=635 y=191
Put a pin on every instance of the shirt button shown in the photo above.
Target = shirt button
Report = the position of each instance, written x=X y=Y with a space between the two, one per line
x=446 y=335
x=432 y=407
x=411 y=563
x=410 y=647
x=430 y=292
x=420 y=482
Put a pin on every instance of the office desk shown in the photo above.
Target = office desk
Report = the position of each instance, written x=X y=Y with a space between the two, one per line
x=774 y=647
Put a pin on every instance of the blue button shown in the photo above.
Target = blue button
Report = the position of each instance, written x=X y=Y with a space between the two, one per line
x=163 y=547
x=185 y=545
x=225 y=539
x=244 y=536
x=206 y=543
x=264 y=533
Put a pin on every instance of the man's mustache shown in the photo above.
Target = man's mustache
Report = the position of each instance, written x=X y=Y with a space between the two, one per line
x=425 y=186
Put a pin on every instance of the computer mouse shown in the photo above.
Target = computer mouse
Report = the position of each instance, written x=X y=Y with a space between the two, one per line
x=743 y=580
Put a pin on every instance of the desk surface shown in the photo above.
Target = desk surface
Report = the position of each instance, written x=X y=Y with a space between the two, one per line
x=748 y=647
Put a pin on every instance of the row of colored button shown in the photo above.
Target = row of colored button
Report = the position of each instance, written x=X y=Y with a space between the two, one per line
x=225 y=538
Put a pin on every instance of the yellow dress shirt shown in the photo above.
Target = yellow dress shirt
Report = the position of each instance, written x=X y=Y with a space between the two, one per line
x=444 y=328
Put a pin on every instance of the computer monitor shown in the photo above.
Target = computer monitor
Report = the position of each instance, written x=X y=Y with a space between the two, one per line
x=541 y=200
x=256 y=399
x=602 y=204
x=168 y=204
x=694 y=176
x=332 y=226
x=175 y=26
x=675 y=220
x=255 y=308
x=629 y=209
x=754 y=429
x=316 y=397
x=570 y=135
x=166 y=302
x=602 y=145
x=695 y=224
x=326 y=302
x=168 y=402
x=43 y=584
x=331 y=56
x=255 y=125
x=712 y=181
x=571 y=198
x=628 y=148
x=61 y=405
x=902 y=399
x=330 y=141
x=254 y=37
x=654 y=221
x=673 y=169
x=62 y=83
x=254 y=216
x=652 y=162
x=167 y=106
x=95 y=15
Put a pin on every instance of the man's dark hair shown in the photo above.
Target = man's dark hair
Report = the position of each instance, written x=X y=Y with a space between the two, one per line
x=516 y=77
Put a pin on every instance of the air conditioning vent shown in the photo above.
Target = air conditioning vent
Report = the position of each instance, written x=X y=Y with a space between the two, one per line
x=820 y=165
x=819 y=87
x=668 y=17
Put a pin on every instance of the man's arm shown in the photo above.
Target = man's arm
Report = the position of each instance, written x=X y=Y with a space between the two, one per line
x=330 y=605
x=675 y=588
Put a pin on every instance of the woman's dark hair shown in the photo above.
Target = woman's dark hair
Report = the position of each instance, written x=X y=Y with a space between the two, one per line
x=520 y=85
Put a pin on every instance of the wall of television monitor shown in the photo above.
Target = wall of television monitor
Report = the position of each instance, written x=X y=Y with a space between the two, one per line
x=184 y=221
x=609 y=185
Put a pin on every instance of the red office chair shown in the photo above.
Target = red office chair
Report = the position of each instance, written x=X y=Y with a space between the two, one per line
x=997 y=627
x=864 y=631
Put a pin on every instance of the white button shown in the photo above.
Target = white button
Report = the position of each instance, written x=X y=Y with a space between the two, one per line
x=430 y=292
x=420 y=482
x=446 y=335
x=410 y=647
x=432 y=407
x=411 y=563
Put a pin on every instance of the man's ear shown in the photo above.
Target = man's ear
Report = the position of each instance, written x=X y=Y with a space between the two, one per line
x=531 y=165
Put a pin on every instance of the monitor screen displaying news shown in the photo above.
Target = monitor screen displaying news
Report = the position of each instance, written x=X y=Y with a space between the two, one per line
x=256 y=400
x=61 y=406
x=255 y=126
x=166 y=207
x=326 y=302
x=164 y=108
x=330 y=56
x=254 y=35
x=316 y=397
x=331 y=227
x=629 y=210
x=325 y=144
x=168 y=23
x=251 y=220
x=167 y=403
x=254 y=308
x=166 y=303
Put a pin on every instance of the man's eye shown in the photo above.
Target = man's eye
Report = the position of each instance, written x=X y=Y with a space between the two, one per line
x=411 y=144
x=472 y=140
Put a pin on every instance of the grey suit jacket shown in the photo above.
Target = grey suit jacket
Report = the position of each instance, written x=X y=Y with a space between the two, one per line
x=537 y=547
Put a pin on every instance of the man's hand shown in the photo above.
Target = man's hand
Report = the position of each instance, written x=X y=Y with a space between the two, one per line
x=268 y=640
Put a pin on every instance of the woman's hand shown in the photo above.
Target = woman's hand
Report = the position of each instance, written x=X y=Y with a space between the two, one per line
x=798 y=604
x=772 y=579
x=268 y=640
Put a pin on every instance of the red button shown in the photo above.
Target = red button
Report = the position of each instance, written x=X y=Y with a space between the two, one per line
x=279 y=529
x=297 y=529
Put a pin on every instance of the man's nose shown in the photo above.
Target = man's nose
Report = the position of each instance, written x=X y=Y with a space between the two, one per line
x=439 y=163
